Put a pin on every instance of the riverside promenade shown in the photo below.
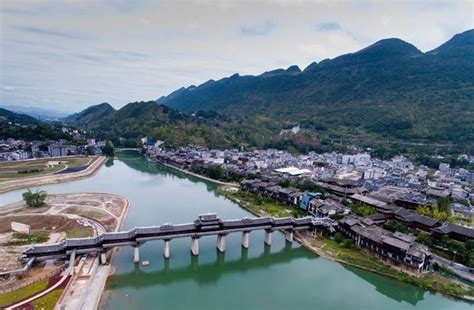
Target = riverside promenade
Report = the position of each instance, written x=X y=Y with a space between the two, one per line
x=90 y=277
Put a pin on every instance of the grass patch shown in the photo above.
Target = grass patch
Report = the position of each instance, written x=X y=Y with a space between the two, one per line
x=82 y=232
x=79 y=161
x=23 y=293
x=87 y=212
x=262 y=205
x=48 y=301
x=22 y=239
x=353 y=256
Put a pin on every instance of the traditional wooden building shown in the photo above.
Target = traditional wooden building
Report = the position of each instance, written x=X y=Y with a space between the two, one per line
x=455 y=232
x=399 y=248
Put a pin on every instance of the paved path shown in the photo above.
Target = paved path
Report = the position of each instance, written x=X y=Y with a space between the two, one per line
x=24 y=302
x=87 y=287
x=460 y=270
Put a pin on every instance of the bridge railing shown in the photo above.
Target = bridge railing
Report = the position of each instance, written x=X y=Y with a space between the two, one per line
x=168 y=232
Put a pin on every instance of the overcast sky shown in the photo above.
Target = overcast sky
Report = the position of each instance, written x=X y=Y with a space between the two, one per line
x=69 y=55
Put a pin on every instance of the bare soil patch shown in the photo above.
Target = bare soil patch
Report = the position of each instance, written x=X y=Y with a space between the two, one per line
x=50 y=223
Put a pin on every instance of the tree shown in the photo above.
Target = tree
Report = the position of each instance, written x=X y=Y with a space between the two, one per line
x=338 y=237
x=425 y=239
x=393 y=225
x=363 y=209
x=443 y=204
x=108 y=149
x=89 y=151
x=34 y=199
x=347 y=243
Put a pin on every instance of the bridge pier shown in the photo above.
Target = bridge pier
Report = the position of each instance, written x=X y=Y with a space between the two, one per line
x=136 y=254
x=166 y=249
x=268 y=237
x=221 y=243
x=206 y=224
x=72 y=260
x=195 y=246
x=103 y=258
x=245 y=239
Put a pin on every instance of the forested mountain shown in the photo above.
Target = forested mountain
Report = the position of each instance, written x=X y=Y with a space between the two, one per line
x=22 y=119
x=390 y=96
x=91 y=115
x=21 y=126
x=389 y=90
x=138 y=119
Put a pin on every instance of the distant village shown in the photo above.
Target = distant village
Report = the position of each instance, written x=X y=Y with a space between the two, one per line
x=395 y=189
x=17 y=149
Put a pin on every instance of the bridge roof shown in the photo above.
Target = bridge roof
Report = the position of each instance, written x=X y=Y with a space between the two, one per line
x=165 y=230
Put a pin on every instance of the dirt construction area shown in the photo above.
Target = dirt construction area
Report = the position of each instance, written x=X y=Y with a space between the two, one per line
x=75 y=215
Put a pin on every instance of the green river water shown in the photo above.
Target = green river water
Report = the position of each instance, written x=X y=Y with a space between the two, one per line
x=278 y=277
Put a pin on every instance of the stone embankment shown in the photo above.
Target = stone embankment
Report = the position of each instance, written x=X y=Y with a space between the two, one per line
x=197 y=175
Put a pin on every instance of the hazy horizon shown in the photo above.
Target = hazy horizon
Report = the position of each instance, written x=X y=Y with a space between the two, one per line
x=68 y=56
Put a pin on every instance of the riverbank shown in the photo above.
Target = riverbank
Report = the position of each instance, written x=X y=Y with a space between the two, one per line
x=91 y=279
x=196 y=175
x=90 y=171
x=354 y=257
x=69 y=215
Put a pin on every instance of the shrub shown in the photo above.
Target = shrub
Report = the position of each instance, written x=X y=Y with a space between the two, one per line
x=347 y=243
x=34 y=199
x=338 y=237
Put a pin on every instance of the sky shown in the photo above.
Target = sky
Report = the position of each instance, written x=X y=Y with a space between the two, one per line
x=67 y=55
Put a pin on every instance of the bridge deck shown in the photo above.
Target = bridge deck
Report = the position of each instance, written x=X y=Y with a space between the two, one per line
x=204 y=226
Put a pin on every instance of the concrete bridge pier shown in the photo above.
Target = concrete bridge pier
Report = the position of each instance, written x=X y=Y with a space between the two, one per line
x=136 y=254
x=289 y=236
x=221 y=243
x=103 y=258
x=195 y=246
x=72 y=260
x=245 y=239
x=166 y=249
x=268 y=237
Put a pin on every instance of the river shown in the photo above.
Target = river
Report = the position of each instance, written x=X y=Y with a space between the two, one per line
x=278 y=277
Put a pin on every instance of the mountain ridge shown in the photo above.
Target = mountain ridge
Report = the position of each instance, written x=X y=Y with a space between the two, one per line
x=389 y=92
x=90 y=114
x=389 y=88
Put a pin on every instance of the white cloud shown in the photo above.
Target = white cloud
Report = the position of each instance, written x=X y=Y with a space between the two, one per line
x=79 y=53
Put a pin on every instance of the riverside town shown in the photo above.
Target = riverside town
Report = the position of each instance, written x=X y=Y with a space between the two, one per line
x=209 y=155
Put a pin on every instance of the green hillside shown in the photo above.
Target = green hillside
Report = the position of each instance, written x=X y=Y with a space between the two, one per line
x=389 y=96
x=389 y=91
x=21 y=126
x=91 y=115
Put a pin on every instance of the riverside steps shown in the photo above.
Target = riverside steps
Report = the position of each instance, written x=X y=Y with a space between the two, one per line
x=205 y=225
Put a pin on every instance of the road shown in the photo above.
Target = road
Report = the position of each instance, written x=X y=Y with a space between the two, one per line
x=460 y=270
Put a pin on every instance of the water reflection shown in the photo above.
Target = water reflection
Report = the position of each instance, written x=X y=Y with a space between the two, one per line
x=138 y=162
x=208 y=273
x=109 y=162
x=389 y=287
